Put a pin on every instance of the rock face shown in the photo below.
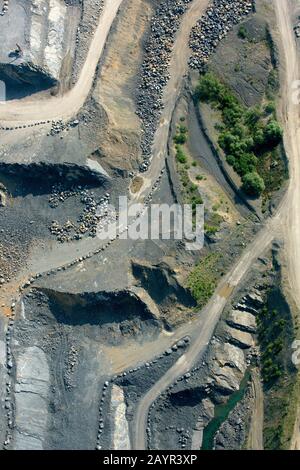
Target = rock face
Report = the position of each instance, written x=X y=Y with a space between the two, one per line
x=244 y=321
x=31 y=399
x=2 y=199
x=228 y=367
x=241 y=339
x=33 y=35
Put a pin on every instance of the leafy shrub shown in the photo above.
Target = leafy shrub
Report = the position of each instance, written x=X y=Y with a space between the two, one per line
x=273 y=133
x=242 y=32
x=180 y=139
x=180 y=156
x=182 y=129
x=270 y=107
x=253 y=184
x=203 y=279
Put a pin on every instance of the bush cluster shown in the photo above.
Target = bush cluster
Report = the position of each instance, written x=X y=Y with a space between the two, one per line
x=245 y=135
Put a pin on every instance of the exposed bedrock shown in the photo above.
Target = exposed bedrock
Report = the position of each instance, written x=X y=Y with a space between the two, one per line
x=27 y=74
x=73 y=146
x=106 y=317
x=66 y=172
x=38 y=40
x=162 y=283
x=31 y=399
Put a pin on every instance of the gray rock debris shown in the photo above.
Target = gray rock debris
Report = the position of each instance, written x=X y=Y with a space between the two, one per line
x=220 y=17
x=4 y=8
x=96 y=214
x=154 y=70
x=210 y=29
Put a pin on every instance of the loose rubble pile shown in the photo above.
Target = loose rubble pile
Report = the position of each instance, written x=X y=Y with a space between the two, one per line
x=83 y=118
x=297 y=30
x=4 y=8
x=96 y=214
x=154 y=70
x=11 y=257
x=24 y=126
x=58 y=126
x=71 y=363
x=9 y=365
x=220 y=17
x=183 y=434
x=60 y=195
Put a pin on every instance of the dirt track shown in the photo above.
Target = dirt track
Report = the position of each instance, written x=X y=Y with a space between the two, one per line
x=291 y=119
x=255 y=438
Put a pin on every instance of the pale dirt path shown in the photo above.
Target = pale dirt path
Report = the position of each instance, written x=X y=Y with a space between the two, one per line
x=68 y=105
x=255 y=438
x=291 y=122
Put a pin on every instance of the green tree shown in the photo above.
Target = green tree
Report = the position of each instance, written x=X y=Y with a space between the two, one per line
x=253 y=184
x=181 y=157
x=253 y=116
x=259 y=138
x=247 y=163
x=180 y=139
x=209 y=88
x=270 y=107
x=273 y=133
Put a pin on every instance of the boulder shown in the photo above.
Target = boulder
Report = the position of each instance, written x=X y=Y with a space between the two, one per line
x=241 y=339
x=244 y=321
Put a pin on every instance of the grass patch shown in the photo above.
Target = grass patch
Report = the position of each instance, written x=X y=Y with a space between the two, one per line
x=190 y=190
x=181 y=135
x=203 y=280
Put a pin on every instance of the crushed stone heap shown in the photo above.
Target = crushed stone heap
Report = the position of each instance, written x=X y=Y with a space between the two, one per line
x=37 y=37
